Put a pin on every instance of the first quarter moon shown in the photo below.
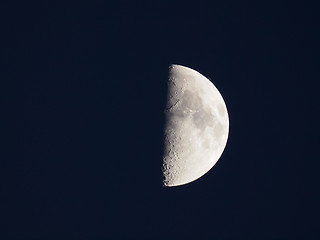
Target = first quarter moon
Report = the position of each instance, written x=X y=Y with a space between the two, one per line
x=196 y=126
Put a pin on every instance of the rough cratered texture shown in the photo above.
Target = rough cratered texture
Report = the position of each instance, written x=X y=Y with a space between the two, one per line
x=196 y=128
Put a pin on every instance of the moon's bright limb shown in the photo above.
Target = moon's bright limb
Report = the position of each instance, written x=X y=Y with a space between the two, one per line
x=196 y=128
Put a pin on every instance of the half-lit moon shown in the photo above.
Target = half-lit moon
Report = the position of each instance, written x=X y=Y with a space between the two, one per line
x=196 y=126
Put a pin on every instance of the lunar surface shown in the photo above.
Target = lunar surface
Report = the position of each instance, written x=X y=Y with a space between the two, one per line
x=196 y=126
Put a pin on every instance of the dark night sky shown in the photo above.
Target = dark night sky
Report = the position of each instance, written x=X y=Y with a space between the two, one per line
x=82 y=158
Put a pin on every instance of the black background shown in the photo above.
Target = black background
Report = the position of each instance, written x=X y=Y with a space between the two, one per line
x=83 y=139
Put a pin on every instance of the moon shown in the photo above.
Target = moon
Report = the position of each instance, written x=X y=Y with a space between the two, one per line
x=196 y=126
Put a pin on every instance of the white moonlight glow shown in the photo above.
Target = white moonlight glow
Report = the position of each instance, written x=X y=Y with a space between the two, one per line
x=196 y=128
